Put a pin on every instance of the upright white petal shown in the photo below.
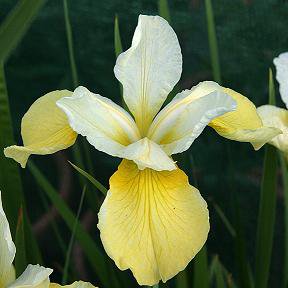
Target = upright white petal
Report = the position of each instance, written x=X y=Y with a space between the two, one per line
x=281 y=63
x=182 y=121
x=7 y=250
x=149 y=69
x=107 y=126
x=147 y=154
x=35 y=276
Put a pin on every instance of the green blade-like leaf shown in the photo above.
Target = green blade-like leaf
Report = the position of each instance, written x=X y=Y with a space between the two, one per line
x=117 y=38
x=10 y=180
x=71 y=242
x=89 y=177
x=163 y=9
x=201 y=272
x=92 y=252
x=20 y=258
x=70 y=45
x=272 y=99
x=16 y=24
x=225 y=220
x=212 y=41
x=266 y=218
x=284 y=170
x=267 y=209
x=182 y=280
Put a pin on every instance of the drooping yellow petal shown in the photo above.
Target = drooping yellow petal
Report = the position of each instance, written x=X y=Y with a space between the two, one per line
x=77 y=284
x=107 y=126
x=45 y=129
x=149 y=69
x=184 y=118
x=34 y=276
x=152 y=222
x=244 y=124
x=7 y=250
x=276 y=117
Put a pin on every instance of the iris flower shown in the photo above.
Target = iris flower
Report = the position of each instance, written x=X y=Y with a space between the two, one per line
x=34 y=276
x=152 y=220
x=275 y=116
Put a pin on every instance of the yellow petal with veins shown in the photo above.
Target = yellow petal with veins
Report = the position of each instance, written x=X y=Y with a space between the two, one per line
x=243 y=124
x=45 y=129
x=77 y=284
x=152 y=222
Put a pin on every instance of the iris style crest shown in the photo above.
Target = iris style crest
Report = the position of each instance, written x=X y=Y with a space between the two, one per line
x=152 y=220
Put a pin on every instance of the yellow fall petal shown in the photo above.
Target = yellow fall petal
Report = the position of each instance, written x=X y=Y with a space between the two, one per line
x=243 y=124
x=276 y=117
x=152 y=222
x=76 y=284
x=45 y=129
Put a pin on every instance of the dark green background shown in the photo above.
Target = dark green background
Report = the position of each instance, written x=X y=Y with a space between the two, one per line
x=250 y=34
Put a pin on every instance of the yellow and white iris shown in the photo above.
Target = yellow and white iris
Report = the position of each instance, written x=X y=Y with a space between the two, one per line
x=34 y=276
x=152 y=220
x=275 y=116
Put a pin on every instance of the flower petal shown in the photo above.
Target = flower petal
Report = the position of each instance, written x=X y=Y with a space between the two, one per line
x=77 y=284
x=182 y=121
x=149 y=69
x=35 y=276
x=44 y=129
x=152 y=222
x=244 y=124
x=147 y=154
x=281 y=63
x=276 y=117
x=107 y=126
x=7 y=250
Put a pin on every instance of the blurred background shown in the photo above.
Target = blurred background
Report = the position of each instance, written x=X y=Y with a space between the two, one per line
x=250 y=33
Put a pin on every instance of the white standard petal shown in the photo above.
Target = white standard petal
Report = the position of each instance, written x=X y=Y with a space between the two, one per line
x=281 y=63
x=7 y=250
x=149 y=69
x=182 y=121
x=107 y=126
x=34 y=276
x=147 y=154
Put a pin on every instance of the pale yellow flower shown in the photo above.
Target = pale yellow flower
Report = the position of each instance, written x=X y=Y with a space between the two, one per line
x=152 y=220
x=34 y=276
x=274 y=116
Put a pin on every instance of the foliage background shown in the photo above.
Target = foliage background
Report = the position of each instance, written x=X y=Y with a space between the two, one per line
x=250 y=34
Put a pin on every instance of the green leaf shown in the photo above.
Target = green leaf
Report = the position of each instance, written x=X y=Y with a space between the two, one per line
x=117 y=38
x=266 y=218
x=70 y=45
x=212 y=42
x=20 y=258
x=201 y=273
x=225 y=220
x=10 y=180
x=267 y=208
x=285 y=188
x=89 y=177
x=182 y=279
x=163 y=9
x=94 y=255
x=71 y=242
x=272 y=99
x=16 y=24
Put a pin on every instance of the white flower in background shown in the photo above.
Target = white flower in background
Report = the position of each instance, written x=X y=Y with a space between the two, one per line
x=34 y=276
